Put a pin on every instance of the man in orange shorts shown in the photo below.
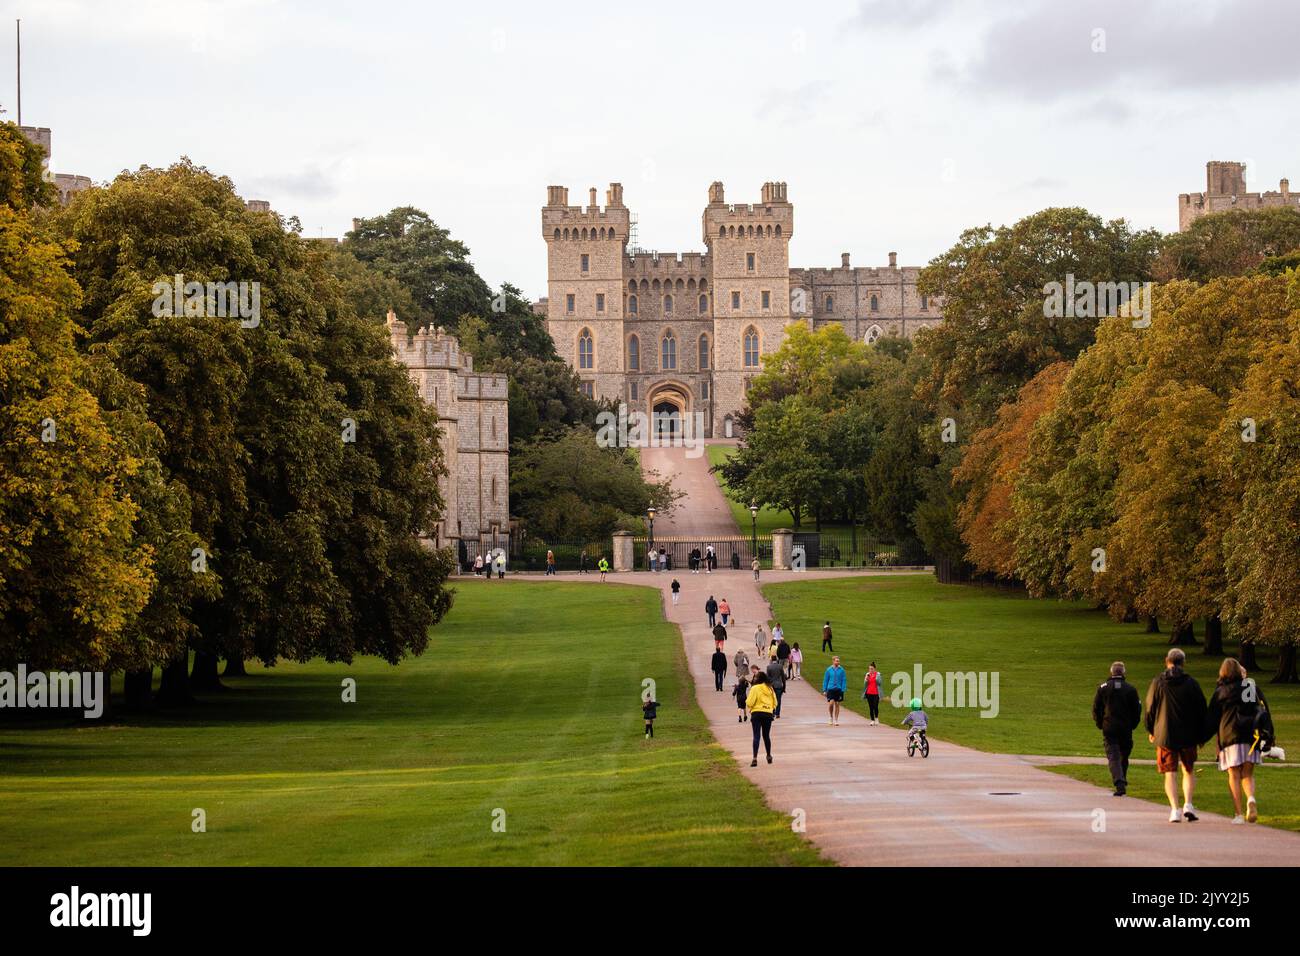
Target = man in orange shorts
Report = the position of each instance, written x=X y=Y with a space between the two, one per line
x=1176 y=725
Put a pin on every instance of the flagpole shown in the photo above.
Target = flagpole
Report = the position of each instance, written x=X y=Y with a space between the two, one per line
x=18 y=32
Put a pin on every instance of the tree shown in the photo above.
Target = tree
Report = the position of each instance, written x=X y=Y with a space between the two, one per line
x=1230 y=243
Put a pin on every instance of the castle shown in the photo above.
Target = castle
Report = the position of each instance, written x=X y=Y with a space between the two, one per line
x=475 y=439
x=67 y=184
x=1225 y=189
x=681 y=334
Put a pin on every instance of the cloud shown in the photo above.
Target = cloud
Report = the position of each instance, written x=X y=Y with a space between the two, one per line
x=310 y=182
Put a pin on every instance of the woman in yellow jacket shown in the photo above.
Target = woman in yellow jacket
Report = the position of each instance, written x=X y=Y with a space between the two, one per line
x=760 y=702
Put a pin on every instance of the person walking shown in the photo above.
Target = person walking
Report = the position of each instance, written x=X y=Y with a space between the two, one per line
x=754 y=565
x=783 y=658
x=478 y=565
x=710 y=560
x=603 y=567
x=719 y=667
x=677 y=588
x=776 y=677
x=826 y=638
x=719 y=635
x=871 y=693
x=740 y=692
x=501 y=566
x=834 y=682
x=760 y=641
x=724 y=609
x=1175 y=720
x=649 y=710
x=796 y=661
x=778 y=634
x=1239 y=720
x=693 y=559
x=582 y=562
x=711 y=609
x=761 y=702
x=663 y=560
x=1117 y=710
x=741 y=662
x=550 y=562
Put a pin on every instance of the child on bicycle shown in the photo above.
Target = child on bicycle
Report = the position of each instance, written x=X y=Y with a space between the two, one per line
x=916 y=719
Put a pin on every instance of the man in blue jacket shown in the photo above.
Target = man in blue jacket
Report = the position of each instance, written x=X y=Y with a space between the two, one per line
x=834 y=683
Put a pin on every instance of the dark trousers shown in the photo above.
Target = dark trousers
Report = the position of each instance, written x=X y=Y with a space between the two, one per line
x=762 y=724
x=873 y=702
x=827 y=645
x=1118 y=748
x=717 y=679
x=713 y=618
x=780 y=692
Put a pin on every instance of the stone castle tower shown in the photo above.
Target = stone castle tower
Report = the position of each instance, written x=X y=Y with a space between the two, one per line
x=1225 y=189
x=684 y=333
x=472 y=409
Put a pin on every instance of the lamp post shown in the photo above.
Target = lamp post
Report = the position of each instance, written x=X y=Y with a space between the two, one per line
x=649 y=550
x=753 y=517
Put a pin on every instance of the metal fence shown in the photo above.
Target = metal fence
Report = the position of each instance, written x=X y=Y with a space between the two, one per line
x=730 y=551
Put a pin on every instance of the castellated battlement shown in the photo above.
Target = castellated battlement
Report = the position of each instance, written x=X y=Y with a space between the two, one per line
x=565 y=222
x=482 y=387
x=773 y=216
x=1225 y=190
x=428 y=348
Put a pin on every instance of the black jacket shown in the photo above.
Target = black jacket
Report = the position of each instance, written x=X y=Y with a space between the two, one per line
x=776 y=676
x=710 y=606
x=1230 y=717
x=1176 y=710
x=1116 y=708
x=782 y=651
x=719 y=662
x=719 y=632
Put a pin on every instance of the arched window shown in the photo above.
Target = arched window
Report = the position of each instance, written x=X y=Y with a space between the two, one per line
x=586 y=352
x=634 y=354
x=557 y=232
x=631 y=285
x=925 y=302
x=680 y=285
x=830 y=303
x=655 y=285
x=722 y=232
x=704 y=352
x=704 y=304
x=645 y=286
x=704 y=284
x=875 y=304
x=873 y=333
x=668 y=353
x=778 y=230
x=631 y=305
x=668 y=303
x=751 y=347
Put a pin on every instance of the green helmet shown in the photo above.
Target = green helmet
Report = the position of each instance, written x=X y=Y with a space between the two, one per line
x=915 y=703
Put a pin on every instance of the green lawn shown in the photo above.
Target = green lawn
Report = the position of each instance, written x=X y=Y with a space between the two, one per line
x=528 y=701
x=1050 y=656
x=1278 y=789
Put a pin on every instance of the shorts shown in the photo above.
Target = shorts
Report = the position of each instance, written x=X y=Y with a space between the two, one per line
x=1167 y=761
x=1234 y=755
x=835 y=695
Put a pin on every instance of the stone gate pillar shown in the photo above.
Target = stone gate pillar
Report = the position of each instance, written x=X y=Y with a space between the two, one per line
x=782 y=545
x=622 y=551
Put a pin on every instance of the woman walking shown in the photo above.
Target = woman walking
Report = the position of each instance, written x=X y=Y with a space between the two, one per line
x=760 y=641
x=871 y=691
x=796 y=659
x=724 y=609
x=478 y=565
x=1237 y=710
x=761 y=702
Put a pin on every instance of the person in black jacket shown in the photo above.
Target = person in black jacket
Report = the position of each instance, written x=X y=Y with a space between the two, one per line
x=711 y=609
x=1175 y=724
x=1116 y=710
x=719 y=668
x=1237 y=710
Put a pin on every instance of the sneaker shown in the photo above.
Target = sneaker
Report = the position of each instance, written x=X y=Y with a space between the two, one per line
x=769 y=758
x=1239 y=819
x=1252 y=812
x=1190 y=813
x=1119 y=792
x=754 y=762
x=1175 y=816
x=830 y=723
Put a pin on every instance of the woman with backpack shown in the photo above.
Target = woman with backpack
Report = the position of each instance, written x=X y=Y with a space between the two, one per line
x=1239 y=720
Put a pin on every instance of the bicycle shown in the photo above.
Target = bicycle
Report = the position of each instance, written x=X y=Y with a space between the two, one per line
x=916 y=740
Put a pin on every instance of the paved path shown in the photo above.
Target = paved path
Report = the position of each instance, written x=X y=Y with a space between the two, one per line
x=867 y=803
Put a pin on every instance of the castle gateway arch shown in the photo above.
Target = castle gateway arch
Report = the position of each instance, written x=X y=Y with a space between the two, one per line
x=670 y=406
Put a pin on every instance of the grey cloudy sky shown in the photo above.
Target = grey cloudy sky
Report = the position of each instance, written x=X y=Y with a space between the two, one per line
x=896 y=123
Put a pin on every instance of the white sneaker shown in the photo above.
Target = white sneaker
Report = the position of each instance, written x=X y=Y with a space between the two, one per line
x=1252 y=812
x=1175 y=816
x=1239 y=819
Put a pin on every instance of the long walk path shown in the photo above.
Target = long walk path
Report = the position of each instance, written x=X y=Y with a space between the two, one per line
x=865 y=802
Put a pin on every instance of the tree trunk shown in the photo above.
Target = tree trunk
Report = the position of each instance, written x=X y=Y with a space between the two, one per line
x=1182 y=634
x=1130 y=616
x=1214 y=636
x=1247 y=659
x=1153 y=624
x=136 y=687
x=203 y=676
x=174 y=688
x=1286 y=666
x=234 y=667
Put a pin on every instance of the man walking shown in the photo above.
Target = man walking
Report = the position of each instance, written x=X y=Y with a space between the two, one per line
x=1175 y=724
x=719 y=636
x=582 y=562
x=603 y=566
x=677 y=587
x=711 y=609
x=550 y=562
x=834 y=682
x=754 y=565
x=776 y=677
x=826 y=639
x=1116 y=710
x=719 y=668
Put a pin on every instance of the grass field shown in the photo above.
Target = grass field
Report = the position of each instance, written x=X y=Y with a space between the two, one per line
x=1049 y=655
x=1278 y=789
x=527 y=702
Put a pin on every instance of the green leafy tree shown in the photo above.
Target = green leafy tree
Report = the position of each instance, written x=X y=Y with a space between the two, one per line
x=1230 y=243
